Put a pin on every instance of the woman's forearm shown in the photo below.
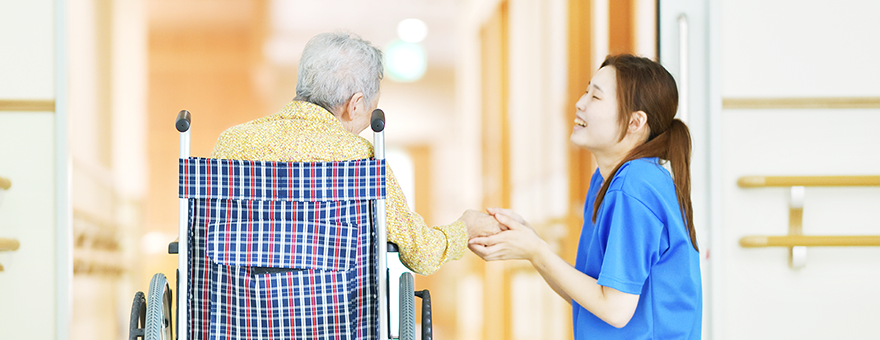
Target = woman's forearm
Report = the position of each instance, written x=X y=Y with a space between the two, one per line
x=612 y=306
x=543 y=269
x=520 y=242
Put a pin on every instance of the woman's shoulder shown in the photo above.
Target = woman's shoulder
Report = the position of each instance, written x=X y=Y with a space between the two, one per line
x=639 y=173
x=648 y=166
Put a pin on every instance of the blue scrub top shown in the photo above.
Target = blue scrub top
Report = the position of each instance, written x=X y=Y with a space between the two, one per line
x=639 y=245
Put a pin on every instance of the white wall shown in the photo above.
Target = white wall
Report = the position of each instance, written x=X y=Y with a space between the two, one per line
x=39 y=294
x=29 y=291
x=27 y=284
x=777 y=49
x=28 y=69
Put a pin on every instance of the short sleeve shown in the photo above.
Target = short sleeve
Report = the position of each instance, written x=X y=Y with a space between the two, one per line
x=631 y=235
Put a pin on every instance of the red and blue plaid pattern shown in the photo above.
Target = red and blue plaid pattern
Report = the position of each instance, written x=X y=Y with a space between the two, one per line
x=282 y=250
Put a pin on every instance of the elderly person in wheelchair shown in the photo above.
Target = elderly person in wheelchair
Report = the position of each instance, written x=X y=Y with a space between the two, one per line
x=337 y=90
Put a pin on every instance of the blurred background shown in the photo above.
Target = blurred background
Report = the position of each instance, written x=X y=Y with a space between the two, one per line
x=479 y=97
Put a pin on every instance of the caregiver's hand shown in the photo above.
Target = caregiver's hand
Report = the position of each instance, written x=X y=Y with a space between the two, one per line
x=518 y=241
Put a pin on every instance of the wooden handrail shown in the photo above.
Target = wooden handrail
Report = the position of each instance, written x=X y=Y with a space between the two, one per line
x=5 y=183
x=32 y=105
x=801 y=103
x=807 y=181
x=8 y=244
x=810 y=241
x=795 y=241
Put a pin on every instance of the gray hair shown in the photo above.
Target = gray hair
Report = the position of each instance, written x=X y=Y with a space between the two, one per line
x=335 y=66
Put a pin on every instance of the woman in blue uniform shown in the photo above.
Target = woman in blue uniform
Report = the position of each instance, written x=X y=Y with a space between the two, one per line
x=637 y=274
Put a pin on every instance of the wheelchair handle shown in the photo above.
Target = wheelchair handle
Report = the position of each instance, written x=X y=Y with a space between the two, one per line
x=377 y=120
x=427 y=329
x=183 y=121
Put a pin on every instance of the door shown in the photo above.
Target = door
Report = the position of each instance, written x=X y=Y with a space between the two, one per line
x=682 y=41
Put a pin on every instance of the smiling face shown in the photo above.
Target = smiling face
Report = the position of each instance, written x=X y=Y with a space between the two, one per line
x=597 y=127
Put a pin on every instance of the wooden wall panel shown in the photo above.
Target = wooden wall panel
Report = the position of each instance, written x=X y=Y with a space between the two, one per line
x=580 y=166
x=496 y=161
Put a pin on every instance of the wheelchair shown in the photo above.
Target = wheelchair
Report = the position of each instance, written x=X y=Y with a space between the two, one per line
x=273 y=250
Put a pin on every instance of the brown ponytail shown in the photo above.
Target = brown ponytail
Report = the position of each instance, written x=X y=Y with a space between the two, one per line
x=644 y=85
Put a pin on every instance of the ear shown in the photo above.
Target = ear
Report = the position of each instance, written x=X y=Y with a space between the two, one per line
x=352 y=108
x=638 y=122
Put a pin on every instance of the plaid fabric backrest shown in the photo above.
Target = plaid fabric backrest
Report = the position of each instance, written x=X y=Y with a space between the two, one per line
x=355 y=180
x=281 y=250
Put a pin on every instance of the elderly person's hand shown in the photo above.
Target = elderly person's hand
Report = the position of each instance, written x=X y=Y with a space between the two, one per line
x=509 y=213
x=479 y=223
x=518 y=241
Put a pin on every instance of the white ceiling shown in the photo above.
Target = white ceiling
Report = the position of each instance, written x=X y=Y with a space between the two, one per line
x=293 y=22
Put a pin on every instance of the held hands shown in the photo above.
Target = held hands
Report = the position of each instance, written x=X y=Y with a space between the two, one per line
x=518 y=239
x=479 y=224
x=511 y=214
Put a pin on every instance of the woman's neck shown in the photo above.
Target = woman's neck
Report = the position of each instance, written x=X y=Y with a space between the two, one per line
x=610 y=157
x=607 y=163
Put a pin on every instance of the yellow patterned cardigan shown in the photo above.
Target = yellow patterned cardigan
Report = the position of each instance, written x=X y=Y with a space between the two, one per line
x=304 y=132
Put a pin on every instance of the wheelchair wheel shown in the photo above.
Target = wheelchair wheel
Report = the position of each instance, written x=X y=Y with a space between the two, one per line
x=138 y=317
x=158 y=325
x=407 y=307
